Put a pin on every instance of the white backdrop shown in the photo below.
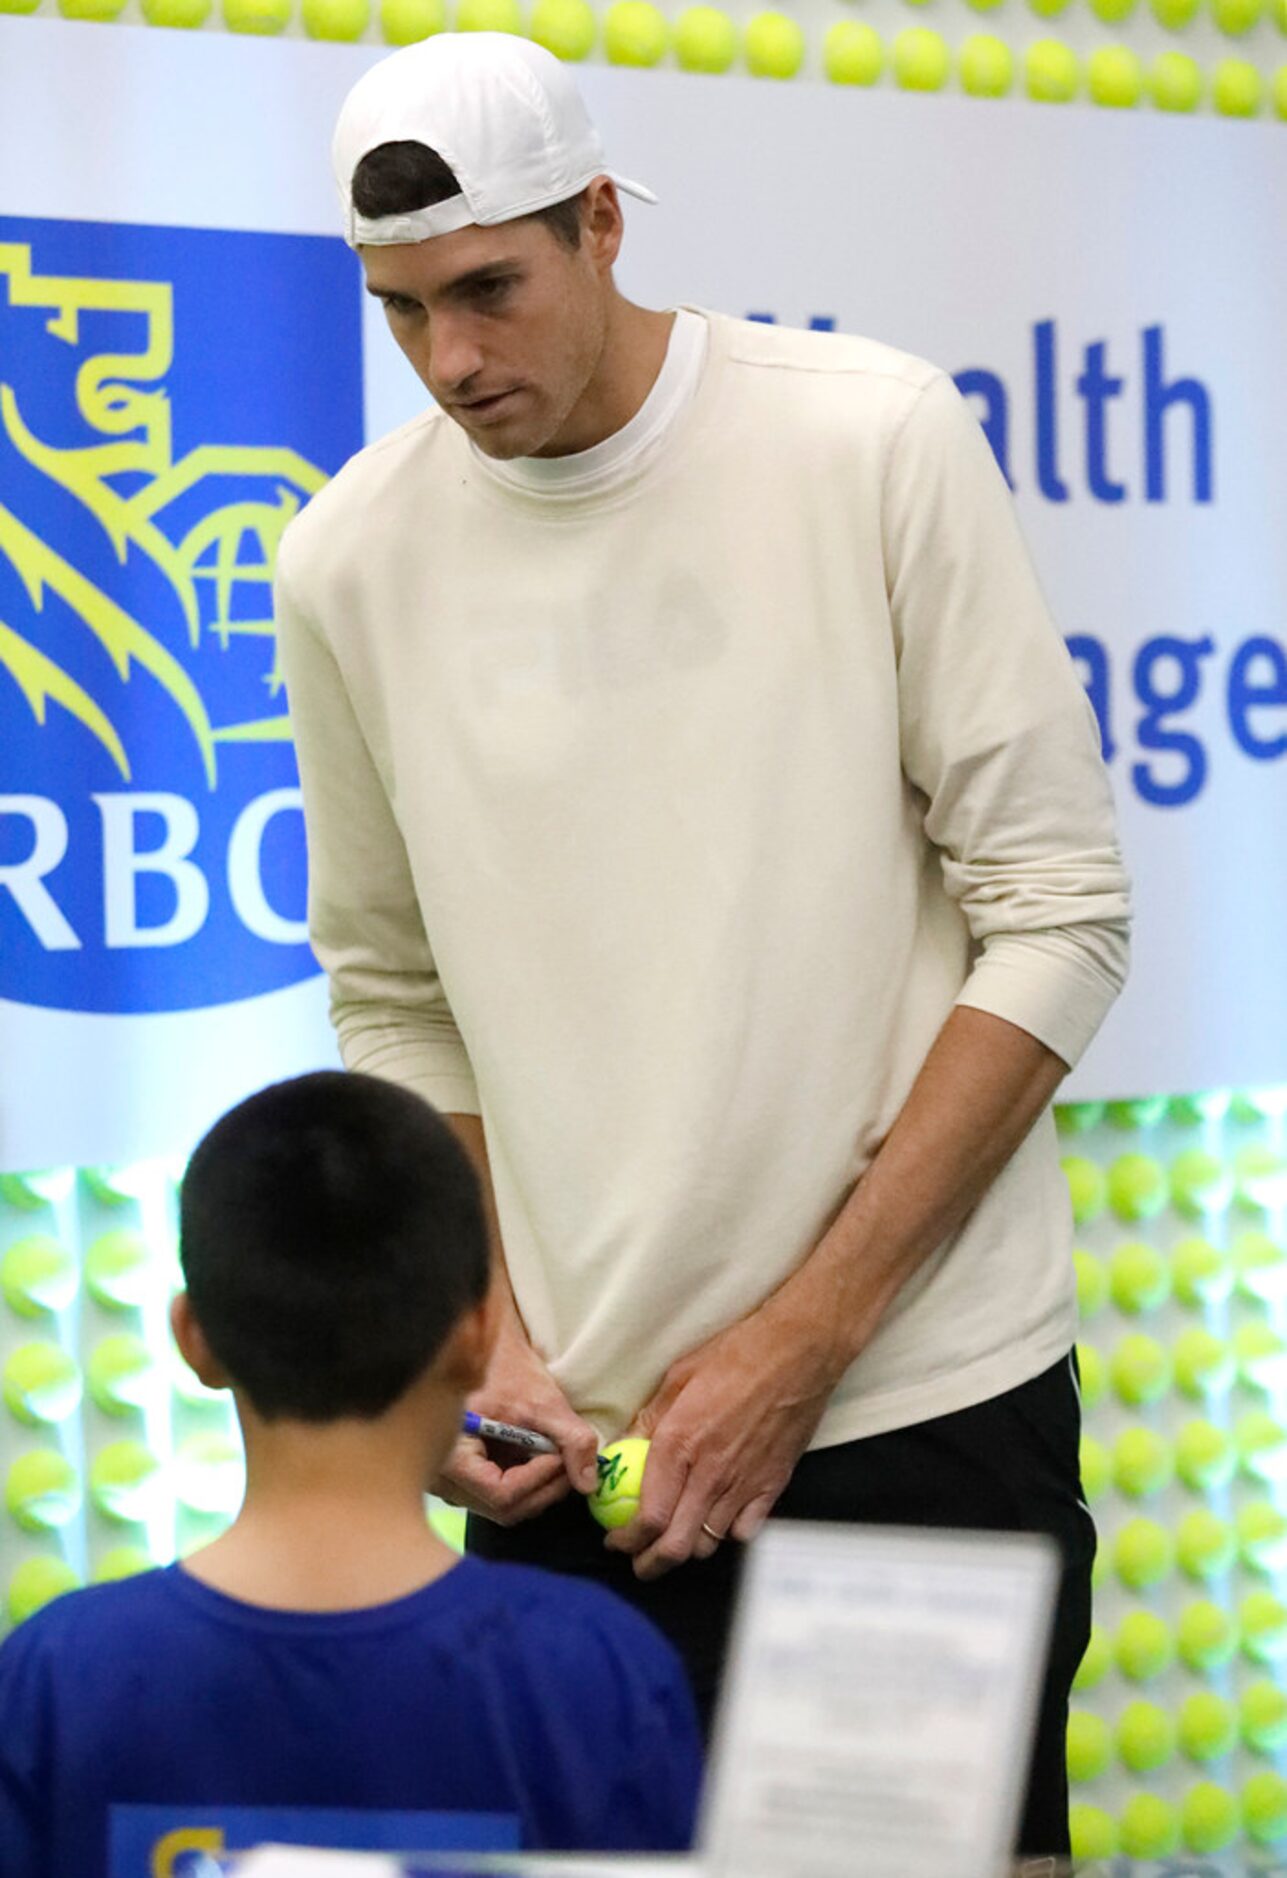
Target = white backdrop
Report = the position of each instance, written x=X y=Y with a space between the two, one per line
x=951 y=228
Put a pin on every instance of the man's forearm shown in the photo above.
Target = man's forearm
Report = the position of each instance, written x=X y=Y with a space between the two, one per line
x=981 y=1088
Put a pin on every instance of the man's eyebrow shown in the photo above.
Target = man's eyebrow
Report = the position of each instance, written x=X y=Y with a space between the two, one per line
x=490 y=270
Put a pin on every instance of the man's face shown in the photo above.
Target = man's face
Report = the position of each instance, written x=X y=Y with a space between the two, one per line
x=504 y=326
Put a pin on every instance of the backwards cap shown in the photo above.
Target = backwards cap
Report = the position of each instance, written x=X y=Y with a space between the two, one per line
x=501 y=112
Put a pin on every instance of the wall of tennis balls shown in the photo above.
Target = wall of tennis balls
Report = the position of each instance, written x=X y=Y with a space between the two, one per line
x=1222 y=56
x=113 y=1456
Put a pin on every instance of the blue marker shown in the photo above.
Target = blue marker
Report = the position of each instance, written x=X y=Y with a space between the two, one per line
x=506 y=1431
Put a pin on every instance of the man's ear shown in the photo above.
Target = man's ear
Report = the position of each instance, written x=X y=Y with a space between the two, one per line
x=193 y=1348
x=463 y=1361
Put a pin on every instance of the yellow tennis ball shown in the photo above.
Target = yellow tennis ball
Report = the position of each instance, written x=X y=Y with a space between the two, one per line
x=118 y=1265
x=774 y=45
x=1138 y=1277
x=1144 y=1646
x=1260 y=1266
x=1137 y=1186
x=46 y=1186
x=1142 y=1462
x=1200 y=1183
x=1209 y=1818
x=120 y=1374
x=1200 y=1274
x=1260 y=1355
x=190 y=13
x=922 y=61
x=987 y=71
x=1145 y=1736
x=1237 y=16
x=1205 y=1456
x=406 y=22
x=1262 y=1716
x=41 y=1383
x=1140 y=1370
x=1051 y=73
x=37 y=1582
x=567 y=28
x=1264 y=1808
x=1262 y=1536
x=1093 y=1831
x=335 y=19
x=634 y=33
x=1115 y=78
x=615 y=1500
x=41 y=1490
x=1150 y=1826
x=1204 y=1544
x=705 y=39
x=256 y=16
x=1262 y=1620
x=1090 y=1745
x=90 y=9
x=124 y=1480
x=37 y=1274
x=1203 y=1364
x=1087 y=1183
x=1208 y=1726
x=852 y=53
x=489 y=16
x=1262 y=1445
x=1206 y=1635
x=1259 y=1171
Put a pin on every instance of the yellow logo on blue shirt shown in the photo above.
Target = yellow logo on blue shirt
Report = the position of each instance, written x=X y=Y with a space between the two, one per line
x=169 y=399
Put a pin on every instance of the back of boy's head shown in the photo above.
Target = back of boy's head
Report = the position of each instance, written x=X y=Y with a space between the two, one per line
x=331 y=1236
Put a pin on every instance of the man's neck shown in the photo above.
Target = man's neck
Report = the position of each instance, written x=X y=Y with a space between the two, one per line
x=634 y=351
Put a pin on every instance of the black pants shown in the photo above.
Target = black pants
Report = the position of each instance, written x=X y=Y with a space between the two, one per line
x=1008 y=1465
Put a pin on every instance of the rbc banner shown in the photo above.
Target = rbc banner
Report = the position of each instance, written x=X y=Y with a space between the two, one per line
x=185 y=356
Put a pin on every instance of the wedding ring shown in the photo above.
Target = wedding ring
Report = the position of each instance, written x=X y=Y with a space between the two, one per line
x=718 y=1537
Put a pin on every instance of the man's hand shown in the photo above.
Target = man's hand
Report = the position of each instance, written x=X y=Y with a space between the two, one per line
x=502 y=1483
x=727 y=1425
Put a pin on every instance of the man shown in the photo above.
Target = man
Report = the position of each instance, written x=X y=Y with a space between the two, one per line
x=704 y=812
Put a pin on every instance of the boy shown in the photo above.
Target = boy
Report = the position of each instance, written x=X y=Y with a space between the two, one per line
x=329 y=1651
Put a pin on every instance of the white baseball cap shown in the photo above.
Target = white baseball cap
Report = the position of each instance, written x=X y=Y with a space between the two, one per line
x=501 y=112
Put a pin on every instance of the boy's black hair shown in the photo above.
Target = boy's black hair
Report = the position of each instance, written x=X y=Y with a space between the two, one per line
x=331 y=1237
x=395 y=178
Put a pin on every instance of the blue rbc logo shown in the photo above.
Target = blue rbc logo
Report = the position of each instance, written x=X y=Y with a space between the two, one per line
x=169 y=399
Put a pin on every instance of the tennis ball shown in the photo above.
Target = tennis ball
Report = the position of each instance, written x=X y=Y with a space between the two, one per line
x=1145 y=1736
x=1142 y=1462
x=405 y=22
x=90 y=9
x=210 y=1473
x=1262 y=1621
x=37 y=1582
x=1150 y=1826
x=257 y=16
x=1051 y=76
x=120 y=1374
x=1090 y=1745
x=705 y=39
x=37 y=1274
x=1262 y=1716
x=1205 y=1456
x=774 y=45
x=1262 y=1445
x=118 y=1265
x=188 y=13
x=124 y=1479
x=1264 y=1807
x=1096 y=1468
x=1209 y=1817
x=1092 y=1273
x=1199 y=1182
x=852 y=53
x=1204 y=1366
x=567 y=28
x=1262 y=1536
x=1092 y=1373
x=1205 y=1544
x=987 y=64
x=1074 y=1118
x=1200 y=1275
x=122 y=1561
x=1259 y=1171
x=41 y=1490
x=1096 y=1662
x=41 y=1383
x=634 y=33
x=1208 y=1726
x=489 y=16
x=1143 y=1553
x=1140 y=1370
x=46 y=1186
x=335 y=19
x=1138 y=1277
x=1143 y=1646
x=1260 y=1355
x=1260 y=1267
x=921 y=59
x=1087 y=1185
x=1206 y=1636
x=1094 y=1832
x=1209 y=1105
x=615 y=1500
x=1139 y=1111
x=1137 y=1186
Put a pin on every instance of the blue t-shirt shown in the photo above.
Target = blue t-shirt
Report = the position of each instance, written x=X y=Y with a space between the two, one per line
x=542 y=1707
